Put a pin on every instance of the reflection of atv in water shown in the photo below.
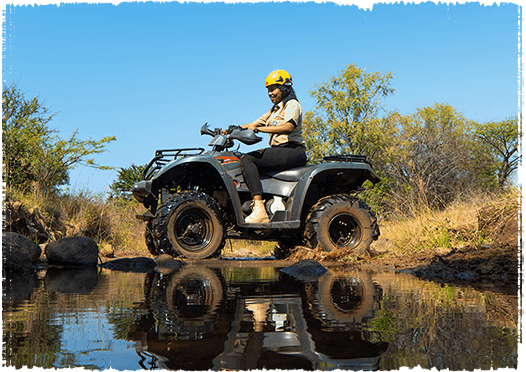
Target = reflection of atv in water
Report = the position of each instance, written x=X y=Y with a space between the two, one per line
x=202 y=318
x=196 y=199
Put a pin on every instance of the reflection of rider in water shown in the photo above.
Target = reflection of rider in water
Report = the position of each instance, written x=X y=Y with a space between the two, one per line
x=283 y=123
x=198 y=320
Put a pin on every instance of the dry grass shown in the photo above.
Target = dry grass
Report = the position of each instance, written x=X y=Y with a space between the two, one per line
x=112 y=224
x=248 y=248
x=451 y=228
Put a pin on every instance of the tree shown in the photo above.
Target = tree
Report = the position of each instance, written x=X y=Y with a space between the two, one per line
x=425 y=159
x=347 y=112
x=127 y=178
x=36 y=159
x=23 y=127
x=431 y=153
x=499 y=148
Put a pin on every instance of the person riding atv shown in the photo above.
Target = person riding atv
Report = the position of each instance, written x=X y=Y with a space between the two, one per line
x=283 y=123
x=197 y=199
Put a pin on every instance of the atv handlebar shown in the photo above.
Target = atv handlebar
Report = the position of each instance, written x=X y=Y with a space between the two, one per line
x=224 y=138
x=205 y=129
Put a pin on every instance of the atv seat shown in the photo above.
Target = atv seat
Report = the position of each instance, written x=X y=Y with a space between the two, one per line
x=289 y=175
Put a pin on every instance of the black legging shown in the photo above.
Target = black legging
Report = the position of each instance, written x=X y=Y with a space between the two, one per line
x=277 y=158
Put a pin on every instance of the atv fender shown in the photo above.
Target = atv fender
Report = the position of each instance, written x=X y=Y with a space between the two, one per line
x=349 y=176
x=176 y=170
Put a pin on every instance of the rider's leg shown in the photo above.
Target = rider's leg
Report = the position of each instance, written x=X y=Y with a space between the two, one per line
x=251 y=174
x=275 y=158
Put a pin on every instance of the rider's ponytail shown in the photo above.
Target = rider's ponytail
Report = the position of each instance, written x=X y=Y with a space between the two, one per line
x=287 y=92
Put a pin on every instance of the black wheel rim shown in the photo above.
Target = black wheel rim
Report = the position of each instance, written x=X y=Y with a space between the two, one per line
x=345 y=231
x=193 y=297
x=193 y=229
x=346 y=295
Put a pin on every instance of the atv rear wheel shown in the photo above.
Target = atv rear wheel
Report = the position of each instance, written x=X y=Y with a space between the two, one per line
x=341 y=222
x=189 y=224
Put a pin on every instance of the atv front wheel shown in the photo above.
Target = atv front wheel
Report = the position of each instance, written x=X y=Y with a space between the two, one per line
x=189 y=224
x=148 y=239
x=341 y=222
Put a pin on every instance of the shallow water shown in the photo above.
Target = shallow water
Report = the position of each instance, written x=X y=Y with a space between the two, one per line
x=248 y=315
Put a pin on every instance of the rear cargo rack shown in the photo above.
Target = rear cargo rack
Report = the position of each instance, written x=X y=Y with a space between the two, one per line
x=348 y=158
x=163 y=157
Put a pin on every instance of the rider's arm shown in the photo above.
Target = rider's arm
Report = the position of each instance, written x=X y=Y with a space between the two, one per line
x=258 y=122
x=284 y=127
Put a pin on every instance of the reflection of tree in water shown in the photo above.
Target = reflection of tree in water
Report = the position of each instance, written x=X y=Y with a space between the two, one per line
x=27 y=340
x=31 y=334
x=435 y=326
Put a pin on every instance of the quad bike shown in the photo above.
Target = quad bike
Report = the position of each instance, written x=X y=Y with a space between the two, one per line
x=197 y=199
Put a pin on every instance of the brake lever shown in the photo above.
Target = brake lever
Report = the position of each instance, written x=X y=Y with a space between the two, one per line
x=232 y=127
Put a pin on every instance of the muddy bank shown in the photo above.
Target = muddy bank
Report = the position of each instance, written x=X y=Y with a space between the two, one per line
x=480 y=266
x=494 y=264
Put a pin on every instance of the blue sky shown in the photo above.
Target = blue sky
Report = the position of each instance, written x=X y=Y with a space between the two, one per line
x=152 y=74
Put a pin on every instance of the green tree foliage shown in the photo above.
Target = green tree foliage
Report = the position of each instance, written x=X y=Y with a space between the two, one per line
x=498 y=149
x=35 y=158
x=429 y=157
x=126 y=179
x=425 y=159
x=346 y=105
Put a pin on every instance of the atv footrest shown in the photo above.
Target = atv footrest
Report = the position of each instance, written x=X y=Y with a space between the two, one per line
x=347 y=158
x=273 y=225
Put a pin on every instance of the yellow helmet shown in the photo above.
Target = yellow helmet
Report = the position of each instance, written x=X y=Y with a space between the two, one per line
x=280 y=77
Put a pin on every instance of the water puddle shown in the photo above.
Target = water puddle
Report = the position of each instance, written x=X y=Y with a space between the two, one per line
x=231 y=314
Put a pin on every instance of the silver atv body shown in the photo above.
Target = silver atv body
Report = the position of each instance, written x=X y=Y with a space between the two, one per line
x=196 y=199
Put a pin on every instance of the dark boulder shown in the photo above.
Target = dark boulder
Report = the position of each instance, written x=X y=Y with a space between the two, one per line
x=73 y=251
x=306 y=270
x=22 y=244
x=15 y=264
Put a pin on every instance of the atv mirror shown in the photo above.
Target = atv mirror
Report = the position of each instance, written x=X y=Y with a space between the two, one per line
x=247 y=136
x=205 y=129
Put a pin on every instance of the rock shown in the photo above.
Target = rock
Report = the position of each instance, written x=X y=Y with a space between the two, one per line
x=73 y=251
x=306 y=270
x=28 y=223
x=442 y=251
x=107 y=250
x=137 y=264
x=15 y=263
x=381 y=246
x=167 y=264
x=22 y=244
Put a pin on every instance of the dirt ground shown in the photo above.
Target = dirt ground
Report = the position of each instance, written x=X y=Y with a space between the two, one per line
x=493 y=265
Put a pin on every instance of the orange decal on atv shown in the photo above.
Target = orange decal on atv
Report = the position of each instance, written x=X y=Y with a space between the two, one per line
x=227 y=159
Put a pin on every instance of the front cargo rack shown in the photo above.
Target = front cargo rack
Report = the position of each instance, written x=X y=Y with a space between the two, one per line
x=163 y=157
x=348 y=158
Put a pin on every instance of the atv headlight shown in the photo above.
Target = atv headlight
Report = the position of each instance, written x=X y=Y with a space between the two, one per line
x=141 y=190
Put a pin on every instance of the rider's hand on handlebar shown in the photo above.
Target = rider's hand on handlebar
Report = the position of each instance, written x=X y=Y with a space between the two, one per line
x=229 y=129
x=252 y=126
